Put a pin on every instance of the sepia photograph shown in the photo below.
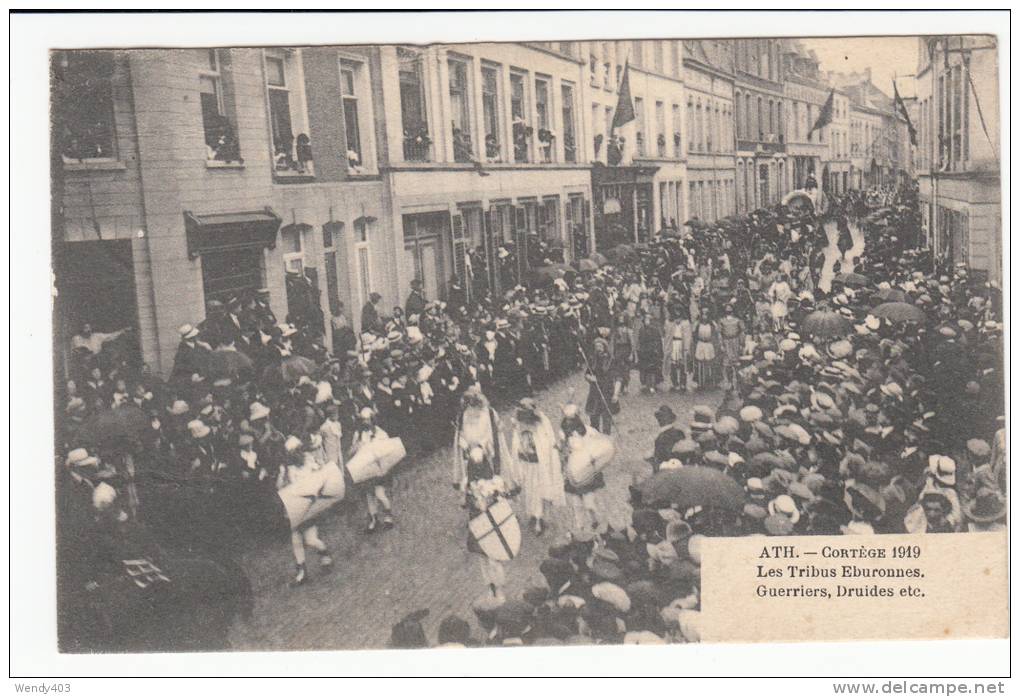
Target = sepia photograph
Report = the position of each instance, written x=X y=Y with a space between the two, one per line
x=495 y=344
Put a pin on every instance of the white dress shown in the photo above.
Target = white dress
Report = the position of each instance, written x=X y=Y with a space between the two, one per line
x=536 y=459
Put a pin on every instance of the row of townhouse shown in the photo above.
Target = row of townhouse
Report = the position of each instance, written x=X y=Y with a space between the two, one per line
x=318 y=175
x=958 y=150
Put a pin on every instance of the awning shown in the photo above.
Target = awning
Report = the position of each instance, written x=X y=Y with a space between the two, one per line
x=218 y=232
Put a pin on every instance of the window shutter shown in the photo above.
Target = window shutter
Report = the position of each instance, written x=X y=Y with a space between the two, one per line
x=459 y=247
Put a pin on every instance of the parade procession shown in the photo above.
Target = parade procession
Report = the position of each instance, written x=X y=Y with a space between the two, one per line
x=507 y=391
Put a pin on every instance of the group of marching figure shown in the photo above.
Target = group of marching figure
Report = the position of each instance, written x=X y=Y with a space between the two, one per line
x=547 y=466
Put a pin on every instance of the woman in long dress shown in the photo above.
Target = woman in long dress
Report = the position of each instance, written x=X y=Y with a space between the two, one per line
x=534 y=453
x=483 y=486
x=706 y=337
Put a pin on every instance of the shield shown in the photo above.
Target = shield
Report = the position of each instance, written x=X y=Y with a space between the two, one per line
x=693 y=486
x=314 y=493
x=825 y=324
x=126 y=422
x=899 y=312
x=497 y=531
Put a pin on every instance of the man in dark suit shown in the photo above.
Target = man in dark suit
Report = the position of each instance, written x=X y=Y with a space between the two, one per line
x=415 y=304
x=370 y=320
x=670 y=434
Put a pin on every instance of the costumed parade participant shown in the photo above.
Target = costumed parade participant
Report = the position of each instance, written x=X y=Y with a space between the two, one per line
x=537 y=460
x=303 y=468
x=380 y=510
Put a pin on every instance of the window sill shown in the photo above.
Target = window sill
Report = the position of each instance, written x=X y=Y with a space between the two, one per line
x=97 y=165
x=219 y=164
x=292 y=178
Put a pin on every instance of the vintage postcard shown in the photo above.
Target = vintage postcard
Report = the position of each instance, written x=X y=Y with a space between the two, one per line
x=577 y=342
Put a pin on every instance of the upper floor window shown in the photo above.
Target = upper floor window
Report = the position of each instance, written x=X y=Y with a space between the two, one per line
x=83 y=105
x=546 y=136
x=463 y=148
x=660 y=129
x=357 y=154
x=639 y=133
x=636 y=48
x=522 y=130
x=491 y=113
x=220 y=135
x=291 y=144
x=657 y=56
x=569 y=125
x=413 y=118
x=566 y=48
x=677 y=131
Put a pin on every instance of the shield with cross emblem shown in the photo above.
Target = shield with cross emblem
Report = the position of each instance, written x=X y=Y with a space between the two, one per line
x=497 y=531
x=315 y=492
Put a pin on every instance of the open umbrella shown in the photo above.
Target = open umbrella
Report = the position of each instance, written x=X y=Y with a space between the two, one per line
x=890 y=295
x=621 y=252
x=854 y=280
x=899 y=312
x=125 y=422
x=585 y=265
x=226 y=363
x=693 y=486
x=292 y=368
x=598 y=258
x=543 y=275
x=825 y=324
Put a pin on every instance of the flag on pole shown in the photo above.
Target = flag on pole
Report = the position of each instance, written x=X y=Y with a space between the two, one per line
x=825 y=116
x=621 y=132
x=902 y=108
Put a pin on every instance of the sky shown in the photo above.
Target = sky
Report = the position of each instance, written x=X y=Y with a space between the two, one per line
x=886 y=56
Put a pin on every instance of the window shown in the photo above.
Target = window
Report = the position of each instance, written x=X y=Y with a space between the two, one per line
x=692 y=145
x=83 y=105
x=569 y=125
x=607 y=68
x=463 y=150
x=491 y=112
x=549 y=223
x=348 y=90
x=226 y=274
x=542 y=107
x=220 y=135
x=677 y=132
x=657 y=55
x=331 y=232
x=660 y=129
x=363 y=259
x=413 y=119
x=639 y=133
x=593 y=69
x=709 y=126
x=292 y=154
x=566 y=48
x=519 y=117
x=675 y=65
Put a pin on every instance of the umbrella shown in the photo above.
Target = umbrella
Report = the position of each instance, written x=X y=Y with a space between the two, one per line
x=598 y=258
x=226 y=363
x=855 y=280
x=621 y=252
x=693 y=486
x=767 y=460
x=825 y=324
x=124 y=422
x=890 y=295
x=547 y=274
x=899 y=312
x=584 y=265
x=294 y=367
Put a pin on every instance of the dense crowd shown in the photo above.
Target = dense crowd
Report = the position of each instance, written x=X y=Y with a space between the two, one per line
x=864 y=394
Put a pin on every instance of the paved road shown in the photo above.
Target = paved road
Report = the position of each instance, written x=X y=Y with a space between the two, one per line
x=423 y=562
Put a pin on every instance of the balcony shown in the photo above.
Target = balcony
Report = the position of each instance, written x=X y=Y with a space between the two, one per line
x=766 y=143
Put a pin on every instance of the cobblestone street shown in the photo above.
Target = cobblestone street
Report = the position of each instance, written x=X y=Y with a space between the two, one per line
x=423 y=562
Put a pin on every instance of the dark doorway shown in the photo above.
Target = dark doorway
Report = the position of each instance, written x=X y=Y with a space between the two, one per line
x=95 y=283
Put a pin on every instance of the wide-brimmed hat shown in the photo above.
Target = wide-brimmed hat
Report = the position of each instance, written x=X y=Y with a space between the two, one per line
x=784 y=505
x=198 y=429
x=665 y=415
x=257 y=411
x=79 y=457
x=987 y=506
x=187 y=331
x=943 y=469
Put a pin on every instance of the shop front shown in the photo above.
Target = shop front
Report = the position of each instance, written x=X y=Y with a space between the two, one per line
x=623 y=204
